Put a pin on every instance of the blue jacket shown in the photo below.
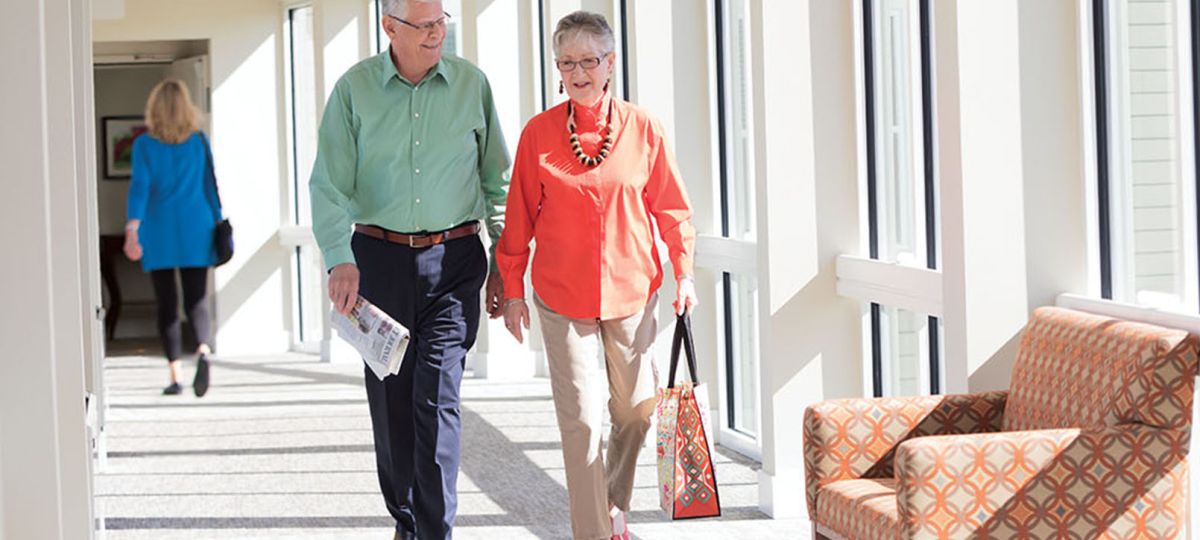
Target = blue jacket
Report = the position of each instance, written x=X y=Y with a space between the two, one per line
x=173 y=195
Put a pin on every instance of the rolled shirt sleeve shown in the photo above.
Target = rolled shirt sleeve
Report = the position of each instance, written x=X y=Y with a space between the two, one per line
x=668 y=202
x=524 y=201
x=332 y=184
x=493 y=171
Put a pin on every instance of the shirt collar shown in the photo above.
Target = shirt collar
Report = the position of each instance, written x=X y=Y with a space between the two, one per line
x=442 y=69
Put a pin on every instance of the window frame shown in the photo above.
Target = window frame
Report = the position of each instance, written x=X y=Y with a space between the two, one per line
x=874 y=315
x=728 y=344
x=1099 y=17
x=298 y=337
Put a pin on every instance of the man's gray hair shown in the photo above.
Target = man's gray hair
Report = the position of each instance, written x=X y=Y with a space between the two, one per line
x=398 y=8
x=583 y=23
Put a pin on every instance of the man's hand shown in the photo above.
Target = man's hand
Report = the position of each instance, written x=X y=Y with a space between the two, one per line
x=494 y=295
x=343 y=287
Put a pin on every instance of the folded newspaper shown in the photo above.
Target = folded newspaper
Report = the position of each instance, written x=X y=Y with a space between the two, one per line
x=378 y=338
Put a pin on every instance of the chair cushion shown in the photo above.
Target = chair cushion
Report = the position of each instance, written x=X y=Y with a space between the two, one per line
x=1075 y=369
x=859 y=509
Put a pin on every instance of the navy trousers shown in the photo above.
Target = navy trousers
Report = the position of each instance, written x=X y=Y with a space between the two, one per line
x=415 y=414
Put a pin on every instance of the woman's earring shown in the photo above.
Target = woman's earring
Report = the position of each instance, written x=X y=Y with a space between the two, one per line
x=560 y=87
x=605 y=86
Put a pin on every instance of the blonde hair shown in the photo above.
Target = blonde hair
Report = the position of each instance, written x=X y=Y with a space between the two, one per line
x=170 y=115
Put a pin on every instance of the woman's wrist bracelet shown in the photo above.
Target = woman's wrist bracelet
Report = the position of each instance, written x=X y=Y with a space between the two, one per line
x=512 y=301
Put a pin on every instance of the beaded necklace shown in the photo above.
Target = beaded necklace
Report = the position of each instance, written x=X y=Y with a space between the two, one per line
x=605 y=148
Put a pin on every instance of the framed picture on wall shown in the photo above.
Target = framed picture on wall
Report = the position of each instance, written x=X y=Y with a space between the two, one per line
x=118 y=133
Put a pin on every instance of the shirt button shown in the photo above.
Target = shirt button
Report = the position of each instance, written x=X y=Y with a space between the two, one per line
x=418 y=201
x=418 y=171
x=416 y=115
x=418 y=143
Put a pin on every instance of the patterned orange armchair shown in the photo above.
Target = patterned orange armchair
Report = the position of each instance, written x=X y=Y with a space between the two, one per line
x=1090 y=441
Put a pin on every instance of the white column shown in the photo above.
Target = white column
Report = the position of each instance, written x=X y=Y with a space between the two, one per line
x=1013 y=201
x=495 y=30
x=88 y=208
x=73 y=315
x=979 y=111
x=1052 y=150
x=43 y=462
x=807 y=198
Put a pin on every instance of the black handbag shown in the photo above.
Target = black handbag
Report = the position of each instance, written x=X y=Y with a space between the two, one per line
x=223 y=232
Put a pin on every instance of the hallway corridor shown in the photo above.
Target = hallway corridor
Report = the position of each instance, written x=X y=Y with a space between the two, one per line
x=281 y=448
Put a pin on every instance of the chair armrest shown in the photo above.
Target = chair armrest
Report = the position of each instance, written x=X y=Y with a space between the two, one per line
x=856 y=438
x=1124 y=481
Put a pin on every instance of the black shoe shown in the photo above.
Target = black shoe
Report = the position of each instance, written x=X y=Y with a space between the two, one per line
x=173 y=389
x=200 y=383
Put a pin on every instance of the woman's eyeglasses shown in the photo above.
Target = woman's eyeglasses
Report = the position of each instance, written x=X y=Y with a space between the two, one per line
x=567 y=66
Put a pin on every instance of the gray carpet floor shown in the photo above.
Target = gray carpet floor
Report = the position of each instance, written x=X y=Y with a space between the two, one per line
x=281 y=448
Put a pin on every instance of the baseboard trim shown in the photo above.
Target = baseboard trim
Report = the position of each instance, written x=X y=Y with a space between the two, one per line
x=781 y=495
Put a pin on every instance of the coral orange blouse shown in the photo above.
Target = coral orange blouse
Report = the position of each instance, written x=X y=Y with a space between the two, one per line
x=593 y=227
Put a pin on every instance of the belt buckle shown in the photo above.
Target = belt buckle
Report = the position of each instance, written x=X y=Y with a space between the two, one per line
x=412 y=241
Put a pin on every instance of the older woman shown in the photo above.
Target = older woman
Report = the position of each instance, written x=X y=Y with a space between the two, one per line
x=591 y=179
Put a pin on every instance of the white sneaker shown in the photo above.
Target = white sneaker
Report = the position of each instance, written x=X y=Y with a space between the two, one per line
x=619 y=527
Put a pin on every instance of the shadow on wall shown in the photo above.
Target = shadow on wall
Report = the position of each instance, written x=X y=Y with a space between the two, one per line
x=253 y=273
x=812 y=216
x=996 y=371
x=1054 y=194
x=1055 y=223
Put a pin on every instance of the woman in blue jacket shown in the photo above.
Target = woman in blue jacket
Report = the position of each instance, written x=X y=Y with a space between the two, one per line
x=172 y=210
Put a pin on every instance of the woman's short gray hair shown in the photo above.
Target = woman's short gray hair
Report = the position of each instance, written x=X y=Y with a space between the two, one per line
x=583 y=23
x=389 y=7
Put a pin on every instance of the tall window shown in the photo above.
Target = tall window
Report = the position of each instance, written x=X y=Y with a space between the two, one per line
x=901 y=186
x=302 y=135
x=1146 y=149
x=738 y=221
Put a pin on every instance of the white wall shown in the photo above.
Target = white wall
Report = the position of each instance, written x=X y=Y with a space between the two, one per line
x=46 y=490
x=120 y=91
x=65 y=69
x=1052 y=148
x=806 y=167
x=984 y=264
x=243 y=35
x=1010 y=156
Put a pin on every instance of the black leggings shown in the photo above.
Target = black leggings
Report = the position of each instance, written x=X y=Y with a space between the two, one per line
x=195 y=293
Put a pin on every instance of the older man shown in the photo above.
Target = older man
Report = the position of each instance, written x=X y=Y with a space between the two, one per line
x=410 y=160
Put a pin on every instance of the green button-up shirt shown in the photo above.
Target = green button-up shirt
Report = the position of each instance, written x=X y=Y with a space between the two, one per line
x=406 y=157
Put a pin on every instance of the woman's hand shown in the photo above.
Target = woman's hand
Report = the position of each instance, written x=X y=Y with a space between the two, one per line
x=685 y=295
x=516 y=317
x=133 y=248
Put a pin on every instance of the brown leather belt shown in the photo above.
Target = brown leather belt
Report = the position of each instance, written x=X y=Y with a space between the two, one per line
x=418 y=240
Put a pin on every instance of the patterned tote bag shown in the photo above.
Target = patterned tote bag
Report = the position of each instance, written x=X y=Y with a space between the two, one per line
x=686 y=479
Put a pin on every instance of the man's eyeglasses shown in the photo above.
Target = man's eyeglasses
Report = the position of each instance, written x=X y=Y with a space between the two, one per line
x=428 y=27
x=567 y=66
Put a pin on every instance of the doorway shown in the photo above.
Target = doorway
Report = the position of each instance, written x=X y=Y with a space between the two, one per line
x=124 y=74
